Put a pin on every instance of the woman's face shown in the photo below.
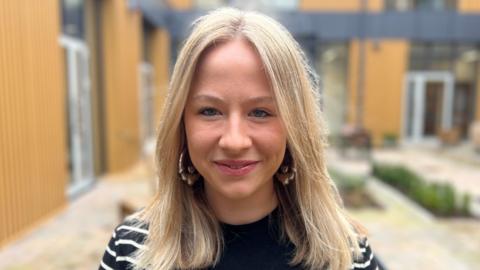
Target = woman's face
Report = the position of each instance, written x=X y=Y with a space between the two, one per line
x=235 y=136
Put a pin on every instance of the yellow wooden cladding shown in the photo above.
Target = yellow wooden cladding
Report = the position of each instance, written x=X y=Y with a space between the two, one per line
x=340 y=6
x=122 y=56
x=33 y=162
x=385 y=67
x=180 y=4
x=160 y=61
x=467 y=6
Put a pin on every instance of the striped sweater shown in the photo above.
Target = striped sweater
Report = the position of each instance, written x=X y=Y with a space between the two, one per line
x=249 y=246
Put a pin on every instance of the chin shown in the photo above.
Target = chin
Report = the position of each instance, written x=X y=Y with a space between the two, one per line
x=238 y=191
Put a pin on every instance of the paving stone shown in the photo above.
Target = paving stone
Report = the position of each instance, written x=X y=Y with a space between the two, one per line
x=402 y=234
x=77 y=237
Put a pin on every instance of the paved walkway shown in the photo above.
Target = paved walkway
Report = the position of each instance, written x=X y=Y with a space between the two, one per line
x=407 y=237
x=77 y=237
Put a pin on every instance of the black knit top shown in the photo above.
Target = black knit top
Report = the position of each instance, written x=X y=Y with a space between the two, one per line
x=250 y=246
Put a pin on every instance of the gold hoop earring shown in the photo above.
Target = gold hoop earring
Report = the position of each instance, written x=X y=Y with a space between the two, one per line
x=190 y=174
x=286 y=173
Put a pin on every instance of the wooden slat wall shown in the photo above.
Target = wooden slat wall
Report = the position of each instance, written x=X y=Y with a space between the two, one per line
x=122 y=55
x=469 y=6
x=180 y=4
x=335 y=5
x=385 y=69
x=160 y=61
x=33 y=158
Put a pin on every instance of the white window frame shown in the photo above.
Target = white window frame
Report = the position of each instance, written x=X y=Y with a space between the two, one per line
x=79 y=90
x=420 y=79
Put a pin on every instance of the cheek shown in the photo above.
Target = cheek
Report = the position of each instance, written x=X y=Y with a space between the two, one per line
x=273 y=142
x=200 y=139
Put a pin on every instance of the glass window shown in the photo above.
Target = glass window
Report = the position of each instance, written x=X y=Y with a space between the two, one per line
x=399 y=5
x=431 y=56
x=332 y=65
x=466 y=64
x=147 y=32
x=265 y=4
x=403 y=5
x=209 y=4
x=462 y=61
x=73 y=18
x=435 y=4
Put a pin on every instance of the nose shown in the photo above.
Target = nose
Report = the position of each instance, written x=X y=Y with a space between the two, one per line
x=235 y=137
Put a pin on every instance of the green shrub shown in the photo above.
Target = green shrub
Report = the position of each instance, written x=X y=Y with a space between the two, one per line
x=465 y=204
x=438 y=198
x=390 y=139
x=346 y=182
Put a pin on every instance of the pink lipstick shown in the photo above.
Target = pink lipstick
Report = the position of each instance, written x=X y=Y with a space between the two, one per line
x=236 y=167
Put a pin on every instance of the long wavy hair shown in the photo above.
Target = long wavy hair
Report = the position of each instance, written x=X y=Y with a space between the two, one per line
x=184 y=233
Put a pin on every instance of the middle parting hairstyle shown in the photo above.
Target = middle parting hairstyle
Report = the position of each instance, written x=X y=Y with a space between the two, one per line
x=183 y=231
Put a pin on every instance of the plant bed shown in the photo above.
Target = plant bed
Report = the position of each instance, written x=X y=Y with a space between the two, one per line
x=441 y=199
x=352 y=190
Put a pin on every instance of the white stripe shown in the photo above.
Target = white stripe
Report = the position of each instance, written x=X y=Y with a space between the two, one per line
x=366 y=242
x=111 y=252
x=365 y=264
x=362 y=250
x=114 y=235
x=128 y=242
x=104 y=266
x=129 y=228
x=127 y=259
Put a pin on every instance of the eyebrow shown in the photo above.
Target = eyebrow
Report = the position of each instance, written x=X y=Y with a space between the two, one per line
x=260 y=99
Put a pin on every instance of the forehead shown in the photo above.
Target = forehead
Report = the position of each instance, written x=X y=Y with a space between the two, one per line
x=228 y=66
x=238 y=51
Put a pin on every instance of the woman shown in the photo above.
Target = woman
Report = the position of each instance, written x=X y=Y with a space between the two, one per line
x=242 y=177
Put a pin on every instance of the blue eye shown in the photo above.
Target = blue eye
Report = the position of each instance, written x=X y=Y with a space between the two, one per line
x=209 y=112
x=259 y=113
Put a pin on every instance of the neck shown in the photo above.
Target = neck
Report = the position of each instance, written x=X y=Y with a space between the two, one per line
x=244 y=210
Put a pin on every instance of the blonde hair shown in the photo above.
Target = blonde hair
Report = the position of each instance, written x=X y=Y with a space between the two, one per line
x=184 y=233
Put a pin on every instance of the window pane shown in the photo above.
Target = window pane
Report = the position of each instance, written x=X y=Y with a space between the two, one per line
x=402 y=5
x=265 y=4
x=435 y=4
x=209 y=4
x=73 y=18
x=398 y=5
x=437 y=56
x=331 y=63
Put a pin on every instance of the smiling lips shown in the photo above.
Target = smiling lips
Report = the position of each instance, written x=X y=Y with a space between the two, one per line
x=236 y=167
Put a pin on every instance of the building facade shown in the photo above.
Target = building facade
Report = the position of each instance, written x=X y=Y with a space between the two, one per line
x=82 y=84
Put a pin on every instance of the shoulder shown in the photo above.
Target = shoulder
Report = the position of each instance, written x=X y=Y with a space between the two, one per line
x=131 y=229
x=367 y=259
x=126 y=239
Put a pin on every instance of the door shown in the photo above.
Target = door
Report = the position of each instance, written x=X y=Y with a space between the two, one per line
x=79 y=107
x=428 y=105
